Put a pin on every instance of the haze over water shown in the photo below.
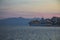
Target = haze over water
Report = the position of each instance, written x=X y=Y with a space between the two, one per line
x=28 y=9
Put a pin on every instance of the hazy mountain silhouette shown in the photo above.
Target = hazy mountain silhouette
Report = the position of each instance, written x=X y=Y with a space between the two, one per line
x=15 y=21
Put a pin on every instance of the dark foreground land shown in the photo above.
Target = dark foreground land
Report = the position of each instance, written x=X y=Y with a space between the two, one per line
x=29 y=33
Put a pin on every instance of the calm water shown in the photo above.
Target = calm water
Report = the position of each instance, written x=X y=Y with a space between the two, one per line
x=29 y=33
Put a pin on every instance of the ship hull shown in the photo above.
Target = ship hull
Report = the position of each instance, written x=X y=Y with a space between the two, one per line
x=40 y=24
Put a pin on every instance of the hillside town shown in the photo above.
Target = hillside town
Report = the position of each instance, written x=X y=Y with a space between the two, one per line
x=54 y=21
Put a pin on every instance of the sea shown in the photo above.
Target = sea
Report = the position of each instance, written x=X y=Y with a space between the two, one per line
x=29 y=33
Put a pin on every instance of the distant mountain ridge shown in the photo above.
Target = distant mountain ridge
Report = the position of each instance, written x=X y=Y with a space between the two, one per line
x=20 y=21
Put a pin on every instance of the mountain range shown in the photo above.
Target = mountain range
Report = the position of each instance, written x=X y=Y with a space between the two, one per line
x=20 y=21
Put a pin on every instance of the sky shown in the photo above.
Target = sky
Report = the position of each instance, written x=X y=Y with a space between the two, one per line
x=29 y=8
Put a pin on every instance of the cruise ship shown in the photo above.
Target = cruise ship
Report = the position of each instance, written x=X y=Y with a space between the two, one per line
x=41 y=22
